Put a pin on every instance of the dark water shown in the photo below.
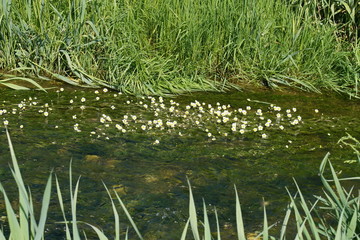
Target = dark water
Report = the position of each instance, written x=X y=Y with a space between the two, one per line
x=110 y=140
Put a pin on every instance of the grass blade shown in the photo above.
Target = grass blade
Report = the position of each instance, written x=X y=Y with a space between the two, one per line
x=129 y=216
x=217 y=225
x=193 y=215
x=116 y=215
x=44 y=210
x=266 y=226
x=239 y=219
x=61 y=202
x=183 y=235
x=207 y=231
x=99 y=233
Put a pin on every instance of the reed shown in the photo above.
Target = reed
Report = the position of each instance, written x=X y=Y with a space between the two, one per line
x=158 y=47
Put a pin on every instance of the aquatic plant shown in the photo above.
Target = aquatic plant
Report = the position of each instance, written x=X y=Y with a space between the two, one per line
x=159 y=47
x=8 y=80
x=334 y=216
x=156 y=116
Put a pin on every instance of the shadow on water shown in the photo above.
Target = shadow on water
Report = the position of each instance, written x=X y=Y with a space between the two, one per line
x=145 y=148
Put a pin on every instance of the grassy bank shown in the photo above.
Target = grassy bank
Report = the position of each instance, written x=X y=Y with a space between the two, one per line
x=154 y=47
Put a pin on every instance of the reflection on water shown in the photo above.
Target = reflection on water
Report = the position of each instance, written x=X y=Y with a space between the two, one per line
x=145 y=148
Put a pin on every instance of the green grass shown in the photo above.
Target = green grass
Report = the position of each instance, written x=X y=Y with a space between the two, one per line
x=173 y=46
x=333 y=216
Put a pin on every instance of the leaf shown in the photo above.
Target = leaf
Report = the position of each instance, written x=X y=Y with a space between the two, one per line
x=207 y=231
x=239 y=219
x=14 y=86
x=192 y=214
x=183 y=235
x=129 y=216
x=44 y=210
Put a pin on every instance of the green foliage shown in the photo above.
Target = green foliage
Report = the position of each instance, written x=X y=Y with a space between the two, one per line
x=7 y=81
x=162 y=46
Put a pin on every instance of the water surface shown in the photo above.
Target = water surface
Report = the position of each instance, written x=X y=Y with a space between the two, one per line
x=146 y=148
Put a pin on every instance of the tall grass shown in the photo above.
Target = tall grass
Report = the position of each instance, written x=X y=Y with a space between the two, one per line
x=333 y=216
x=171 y=46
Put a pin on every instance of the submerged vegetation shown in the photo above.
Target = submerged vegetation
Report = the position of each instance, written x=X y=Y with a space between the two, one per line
x=334 y=216
x=157 y=47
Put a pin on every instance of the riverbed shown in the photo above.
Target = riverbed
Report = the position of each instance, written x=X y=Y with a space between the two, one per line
x=146 y=148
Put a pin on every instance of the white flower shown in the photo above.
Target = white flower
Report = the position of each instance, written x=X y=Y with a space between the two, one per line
x=118 y=127
x=264 y=135
x=316 y=110
x=248 y=108
x=242 y=131
x=209 y=134
x=82 y=107
x=143 y=127
x=156 y=142
x=96 y=92
x=295 y=122
x=21 y=126
x=294 y=109
x=281 y=127
x=61 y=89
x=83 y=99
x=105 y=90
x=260 y=128
x=112 y=107
x=102 y=120
x=6 y=122
x=46 y=114
x=97 y=98
x=225 y=119
x=74 y=116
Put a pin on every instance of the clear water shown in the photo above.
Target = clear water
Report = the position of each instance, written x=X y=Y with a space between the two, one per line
x=149 y=167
